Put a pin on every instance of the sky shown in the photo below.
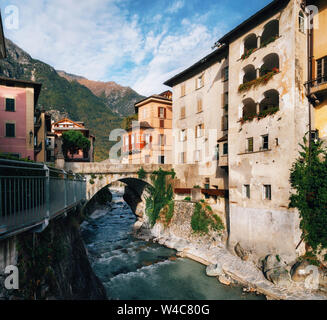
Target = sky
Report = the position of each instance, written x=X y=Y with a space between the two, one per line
x=136 y=43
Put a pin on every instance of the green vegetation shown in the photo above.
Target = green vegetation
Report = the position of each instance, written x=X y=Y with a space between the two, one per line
x=197 y=187
x=187 y=199
x=11 y=157
x=91 y=181
x=203 y=219
x=93 y=176
x=127 y=121
x=141 y=173
x=256 y=82
x=262 y=114
x=73 y=141
x=160 y=193
x=167 y=212
x=309 y=181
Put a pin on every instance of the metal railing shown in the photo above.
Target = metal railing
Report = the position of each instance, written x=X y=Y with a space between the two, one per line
x=32 y=193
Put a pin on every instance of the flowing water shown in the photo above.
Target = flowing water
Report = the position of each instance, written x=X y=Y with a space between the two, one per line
x=131 y=269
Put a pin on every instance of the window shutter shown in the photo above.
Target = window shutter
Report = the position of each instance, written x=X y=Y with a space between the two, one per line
x=165 y=113
x=158 y=112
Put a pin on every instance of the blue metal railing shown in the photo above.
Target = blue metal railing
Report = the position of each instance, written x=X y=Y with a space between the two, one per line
x=31 y=193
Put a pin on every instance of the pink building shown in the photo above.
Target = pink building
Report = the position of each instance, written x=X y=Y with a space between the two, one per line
x=18 y=100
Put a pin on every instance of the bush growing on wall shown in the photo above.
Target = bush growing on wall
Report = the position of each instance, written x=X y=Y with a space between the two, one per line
x=309 y=181
x=203 y=219
x=141 y=173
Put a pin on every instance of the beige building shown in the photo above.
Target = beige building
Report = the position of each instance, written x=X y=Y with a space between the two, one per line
x=149 y=140
x=200 y=124
x=259 y=114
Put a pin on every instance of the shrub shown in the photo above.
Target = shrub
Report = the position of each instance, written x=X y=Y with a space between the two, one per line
x=187 y=199
x=101 y=177
x=203 y=219
x=309 y=180
x=93 y=176
x=91 y=181
x=196 y=187
x=160 y=194
x=141 y=173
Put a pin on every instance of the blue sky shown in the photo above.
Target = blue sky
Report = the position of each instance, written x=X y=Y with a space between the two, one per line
x=136 y=43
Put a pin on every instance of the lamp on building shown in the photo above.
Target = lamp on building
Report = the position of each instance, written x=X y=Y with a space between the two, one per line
x=31 y=136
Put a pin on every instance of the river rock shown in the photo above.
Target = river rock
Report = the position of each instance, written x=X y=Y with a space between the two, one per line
x=240 y=252
x=273 y=261
x=309 y=274
x=224 y=280
x=279 y=276
x=214 y=270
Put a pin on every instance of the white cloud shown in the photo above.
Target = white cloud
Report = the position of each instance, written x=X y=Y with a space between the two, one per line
x=176 y=6
x=101 y=41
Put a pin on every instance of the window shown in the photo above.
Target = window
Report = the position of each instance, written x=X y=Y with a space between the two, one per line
x=147 y=138
x=246 y=191
x=197 y=156
x=182 y=135
x=161 y=139
x=225 y=73
x=200 y=81
x=224 y=122
x=162 y=123
x=133 y=139
x=147 y=159
x=182 y=157
x=322 y=70
x=10 y=130
x=250 y=145
x=161 y=159
x=10 y=104
x=301 y=22
x=126 y=141
x=225 y=148
x=225 y=99
x=265 y=142
x=199 y=131
x=182 y=112
x=161 y=112
x=145 y=112
x=267 y=192
x=183 y=90
x=199 y=105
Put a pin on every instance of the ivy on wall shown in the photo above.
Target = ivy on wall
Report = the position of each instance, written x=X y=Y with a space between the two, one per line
x=160 y=193
x=309 y=180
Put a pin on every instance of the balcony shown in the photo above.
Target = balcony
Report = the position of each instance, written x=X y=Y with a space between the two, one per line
x=223 y=161
x=318 y=86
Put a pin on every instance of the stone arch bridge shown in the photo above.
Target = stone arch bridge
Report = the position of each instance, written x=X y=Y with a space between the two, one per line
x=104 y=173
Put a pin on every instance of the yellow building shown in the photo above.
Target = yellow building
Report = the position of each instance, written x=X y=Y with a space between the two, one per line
x=149 y=140
x=317 y=88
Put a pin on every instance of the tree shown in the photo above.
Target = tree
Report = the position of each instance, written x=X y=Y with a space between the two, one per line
x=309 y=181
x=73 y=141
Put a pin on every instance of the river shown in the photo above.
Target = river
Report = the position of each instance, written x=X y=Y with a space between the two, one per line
x=131 y=269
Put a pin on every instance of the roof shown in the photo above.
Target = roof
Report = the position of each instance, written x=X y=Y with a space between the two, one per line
x=37 y=86
x=211 y=58
x=161 y=97
x=3 y=54
x=193 y=70
x=68 y=120
x=140 y=125
x=224 y=138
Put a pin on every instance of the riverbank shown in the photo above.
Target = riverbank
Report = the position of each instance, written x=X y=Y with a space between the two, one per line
x=211 y=250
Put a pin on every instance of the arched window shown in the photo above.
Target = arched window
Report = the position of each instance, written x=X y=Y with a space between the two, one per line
x=270 y=101
x=270 y=63
x=249 y=108
x=301 y=21
x=270 y=32
x=250 y=43
x=249 y=73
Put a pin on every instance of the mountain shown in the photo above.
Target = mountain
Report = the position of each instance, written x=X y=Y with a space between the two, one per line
x=118 y=98
x=62 y=97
